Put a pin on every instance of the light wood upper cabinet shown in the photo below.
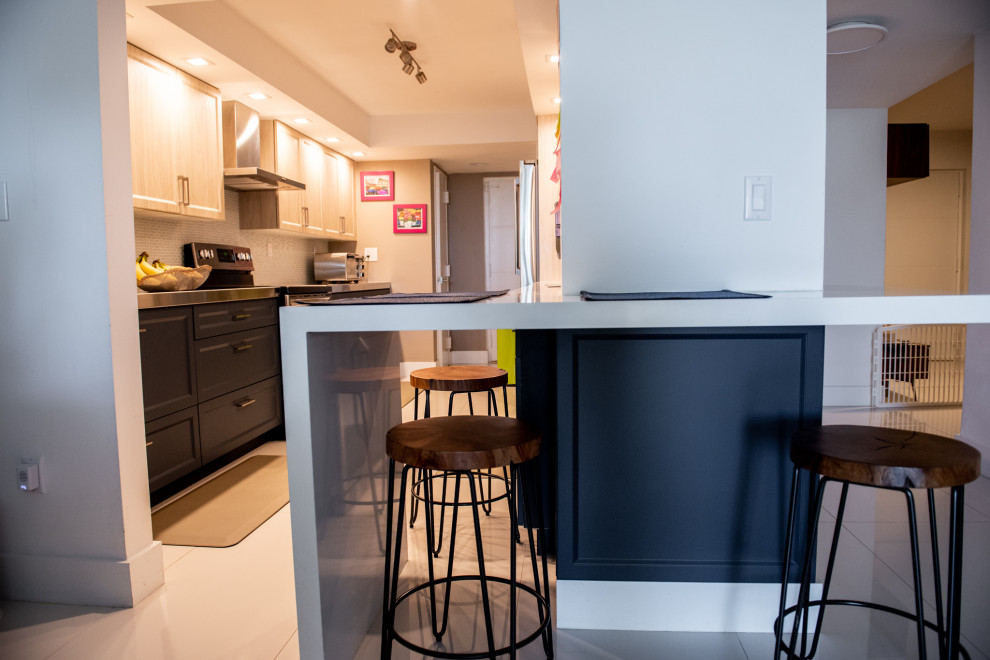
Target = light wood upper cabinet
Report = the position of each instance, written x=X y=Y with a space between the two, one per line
x=324 y=209
x=176 y=140
x=345 y=199
x=331 y=217
x=311 y=158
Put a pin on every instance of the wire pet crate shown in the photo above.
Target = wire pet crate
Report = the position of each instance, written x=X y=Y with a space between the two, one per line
x=918 y=365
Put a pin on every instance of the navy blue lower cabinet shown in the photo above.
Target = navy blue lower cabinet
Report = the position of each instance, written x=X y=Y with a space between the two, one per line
x=672 y=448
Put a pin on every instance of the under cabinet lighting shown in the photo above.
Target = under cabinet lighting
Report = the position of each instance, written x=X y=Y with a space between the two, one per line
x=199 y=61
x=258 y=96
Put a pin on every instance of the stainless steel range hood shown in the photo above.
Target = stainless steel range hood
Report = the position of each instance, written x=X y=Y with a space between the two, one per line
x=242 y=153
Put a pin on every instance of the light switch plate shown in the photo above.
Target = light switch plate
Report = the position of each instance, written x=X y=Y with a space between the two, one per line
x=4 y=214
x=758 y=197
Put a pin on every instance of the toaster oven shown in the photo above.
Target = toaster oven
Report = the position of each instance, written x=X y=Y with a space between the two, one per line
x=338 y=267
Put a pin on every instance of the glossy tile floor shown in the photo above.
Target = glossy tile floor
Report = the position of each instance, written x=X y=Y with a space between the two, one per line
x=239 y=602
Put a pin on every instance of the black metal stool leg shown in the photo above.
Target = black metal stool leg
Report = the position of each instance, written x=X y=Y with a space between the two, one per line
x=937 y=574
x=801 y=613
x=392 y=561
x=919 y=602
x=952 y=648
x=788 y=545
x=489 y=630
x=833 y=548
x=530 y=486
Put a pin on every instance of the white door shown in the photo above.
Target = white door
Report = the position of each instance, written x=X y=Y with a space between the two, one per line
x=441 y=258
x=500 y=241
x=925 y=235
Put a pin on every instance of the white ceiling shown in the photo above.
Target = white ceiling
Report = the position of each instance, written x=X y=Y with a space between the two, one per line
x=485 y=61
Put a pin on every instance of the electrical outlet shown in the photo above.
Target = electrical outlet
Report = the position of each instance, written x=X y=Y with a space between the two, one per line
x=29 y=474
x=371 y=254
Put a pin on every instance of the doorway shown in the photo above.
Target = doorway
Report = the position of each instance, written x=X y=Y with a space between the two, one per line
x=441 y=256
x=500 y=242
x=924 y=245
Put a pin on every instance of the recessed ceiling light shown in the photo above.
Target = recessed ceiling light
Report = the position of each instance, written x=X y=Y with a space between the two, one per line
x=556 y=99
x=301 y=120
x=333 y=139
x=199 y=61
x=358 y=153
x=553 y=59
x=258 y=96
x=478 y=164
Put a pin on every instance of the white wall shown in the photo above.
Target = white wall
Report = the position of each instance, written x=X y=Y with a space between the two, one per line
x=659 y=129
x=70 y=387
x=855 y=208
x=976 y=411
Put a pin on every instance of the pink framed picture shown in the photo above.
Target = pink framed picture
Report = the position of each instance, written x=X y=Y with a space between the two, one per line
x=377 y=186
x=409 y=218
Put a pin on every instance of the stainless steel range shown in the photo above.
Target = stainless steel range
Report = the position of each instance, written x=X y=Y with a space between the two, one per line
x=233 y=265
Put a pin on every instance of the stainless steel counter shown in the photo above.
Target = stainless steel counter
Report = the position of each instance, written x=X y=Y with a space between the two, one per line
x=202 y=296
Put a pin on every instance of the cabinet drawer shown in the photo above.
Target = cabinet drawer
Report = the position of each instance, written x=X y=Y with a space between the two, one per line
x=173 y=447
x=221 y=318
x=231 y=420
x=167 y=360
x=228 y=362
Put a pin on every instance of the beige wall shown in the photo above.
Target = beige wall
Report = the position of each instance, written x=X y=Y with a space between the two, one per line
x=405 y=260
x=949 y=150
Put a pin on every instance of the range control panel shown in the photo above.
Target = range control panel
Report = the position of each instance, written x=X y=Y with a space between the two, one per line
x=219 y=256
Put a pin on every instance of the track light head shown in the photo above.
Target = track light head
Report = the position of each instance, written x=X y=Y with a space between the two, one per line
x=409 y=63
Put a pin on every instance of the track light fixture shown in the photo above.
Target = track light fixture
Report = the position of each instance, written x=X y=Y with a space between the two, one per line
x=394 y=44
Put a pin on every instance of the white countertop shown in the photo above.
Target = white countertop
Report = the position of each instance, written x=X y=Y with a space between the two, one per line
x=543 y=307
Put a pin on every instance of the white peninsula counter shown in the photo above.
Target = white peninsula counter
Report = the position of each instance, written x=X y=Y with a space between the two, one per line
x=743 y=358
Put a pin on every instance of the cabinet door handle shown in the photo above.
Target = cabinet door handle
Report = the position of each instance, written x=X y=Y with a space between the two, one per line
x=149 y=443
x=243 y=347
x=185 y=190
x=239 y=317
x=245 y=403
x=142 y=330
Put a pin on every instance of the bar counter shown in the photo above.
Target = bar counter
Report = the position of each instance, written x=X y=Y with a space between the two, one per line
x=667 y=423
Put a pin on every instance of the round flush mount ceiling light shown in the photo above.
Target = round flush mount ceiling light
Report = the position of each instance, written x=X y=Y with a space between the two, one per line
x=853 y=36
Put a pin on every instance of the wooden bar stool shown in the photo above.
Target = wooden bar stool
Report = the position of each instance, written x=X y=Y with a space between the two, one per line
x=893 y=459
x=461 y=445
x=456 y=379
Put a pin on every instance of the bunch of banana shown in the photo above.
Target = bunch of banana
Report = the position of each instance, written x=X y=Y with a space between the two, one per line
x=142 y=268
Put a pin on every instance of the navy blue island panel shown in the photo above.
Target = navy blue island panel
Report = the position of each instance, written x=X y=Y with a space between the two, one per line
x=672 y=446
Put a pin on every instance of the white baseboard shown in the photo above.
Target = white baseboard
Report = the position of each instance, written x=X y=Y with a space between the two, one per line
x=406 y=367
x=838 y=395
x=469 y=357
x=82 y=580
x=671 y=606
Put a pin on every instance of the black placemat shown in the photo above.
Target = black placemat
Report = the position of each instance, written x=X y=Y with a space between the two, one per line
x=412 y=298
x=670 y=295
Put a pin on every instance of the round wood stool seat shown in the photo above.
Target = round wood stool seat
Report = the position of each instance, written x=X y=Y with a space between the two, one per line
x=893 y=459
x=463 y=442
x=455 y=378
x=888 y=458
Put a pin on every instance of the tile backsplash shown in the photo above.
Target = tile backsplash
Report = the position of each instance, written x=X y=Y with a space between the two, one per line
x=291 y=260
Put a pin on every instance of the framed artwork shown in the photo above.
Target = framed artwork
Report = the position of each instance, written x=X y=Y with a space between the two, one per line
x=377 y=186
x=409 y=218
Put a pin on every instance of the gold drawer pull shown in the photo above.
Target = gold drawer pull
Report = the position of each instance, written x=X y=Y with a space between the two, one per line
x=240 y=317
x=149 y=443
x=243 y=347
x=141 y=330
x=245 y=403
